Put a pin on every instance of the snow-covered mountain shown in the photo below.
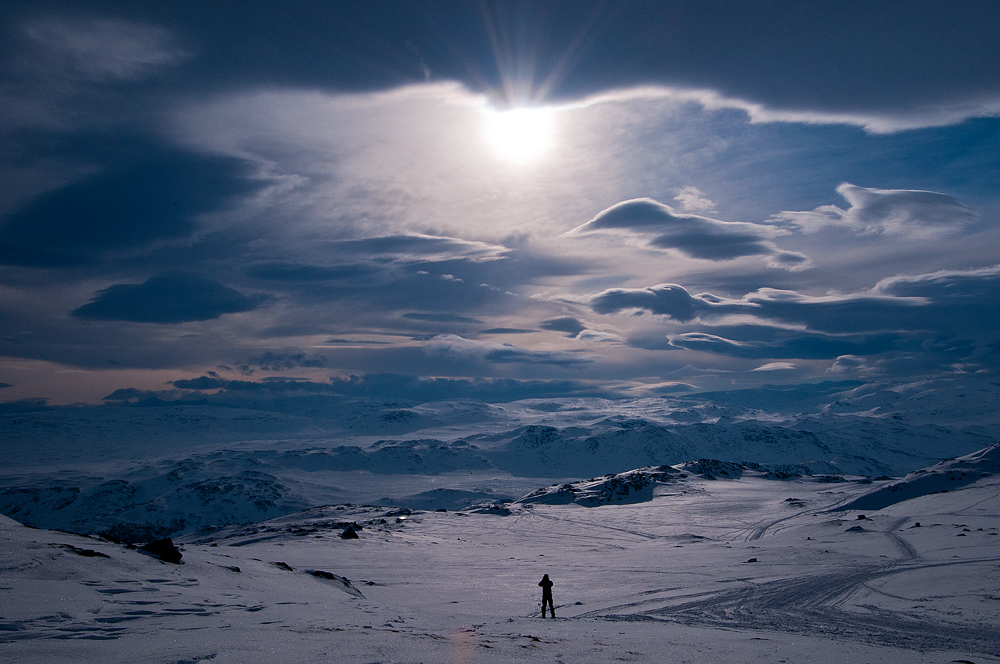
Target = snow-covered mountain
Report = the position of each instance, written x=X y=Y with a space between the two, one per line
x=164 y=467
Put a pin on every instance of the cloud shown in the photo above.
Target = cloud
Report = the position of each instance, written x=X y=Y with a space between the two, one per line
x=441 y=318
x=126 y=207
x=599 y=336
x=692 y=235
x=775 y=366
x=938 y=113
x=285 y=271
x=666 y=387
x=506 y=330
x=451 y=345
x=864 y=311
x=383 y=385
x=913 y=323
x=890 y=212
x=103 y=48
x=975 y=287
x=425 y=388
x=169 y=298
x=852 y=364
x=665 y=300
x=693 y=200
x=421 y=248
x=271 y=361
x=571 y=326
x=766 y=341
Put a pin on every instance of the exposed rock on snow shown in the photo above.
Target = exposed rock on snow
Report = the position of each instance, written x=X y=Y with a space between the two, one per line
x=634 y=486
x=712 y=469
x=163 y=549
x=340 y=582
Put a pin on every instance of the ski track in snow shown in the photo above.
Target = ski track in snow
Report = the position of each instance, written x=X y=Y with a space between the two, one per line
x=812 y=605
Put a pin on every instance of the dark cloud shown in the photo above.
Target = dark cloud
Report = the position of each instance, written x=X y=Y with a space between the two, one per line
x=784 y=54
x=778 y=343
x=125 y=207
x=833 y=313
x=976 y=287
x=571 y=326
x=389 y=386
x=202 y=383
x=355 y=342
x=270 y=361
x=938 y=317
x=693 y=235
x=664 y=299
x=506 y=330
x=441 y=318
x=169 y=298
x=282 y=271
x=131 y=395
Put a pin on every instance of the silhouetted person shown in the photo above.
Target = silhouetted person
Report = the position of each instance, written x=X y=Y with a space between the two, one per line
x=546 y=586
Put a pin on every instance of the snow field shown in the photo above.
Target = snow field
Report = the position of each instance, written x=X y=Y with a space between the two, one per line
x=664 y=580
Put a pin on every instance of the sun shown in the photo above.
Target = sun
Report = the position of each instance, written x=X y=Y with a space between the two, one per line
x=519 y=135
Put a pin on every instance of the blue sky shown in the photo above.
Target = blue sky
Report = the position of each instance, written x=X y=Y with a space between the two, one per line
x=687 y=196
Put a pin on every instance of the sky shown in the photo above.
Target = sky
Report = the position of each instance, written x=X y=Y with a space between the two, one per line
x=495 y=199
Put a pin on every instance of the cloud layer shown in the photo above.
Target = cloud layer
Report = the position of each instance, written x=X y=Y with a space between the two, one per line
x=190 y=192
x=693 y=235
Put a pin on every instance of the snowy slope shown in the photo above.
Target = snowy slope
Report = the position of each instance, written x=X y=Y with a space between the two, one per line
x=739 y=570
x=982 y=466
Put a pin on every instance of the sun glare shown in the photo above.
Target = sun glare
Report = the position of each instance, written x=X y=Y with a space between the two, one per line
x=520 y=135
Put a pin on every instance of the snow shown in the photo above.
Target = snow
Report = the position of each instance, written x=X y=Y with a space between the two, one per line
x=665 y=579
x=181 y=467
x=773 y=524
x=940 y=478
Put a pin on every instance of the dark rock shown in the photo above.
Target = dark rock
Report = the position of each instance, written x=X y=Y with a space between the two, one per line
x=349 y=533
x=86 y=553
x=325 y=575
x=284 y=566
x=163 y=549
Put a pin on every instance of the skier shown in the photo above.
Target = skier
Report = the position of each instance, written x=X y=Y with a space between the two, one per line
x=546 y=586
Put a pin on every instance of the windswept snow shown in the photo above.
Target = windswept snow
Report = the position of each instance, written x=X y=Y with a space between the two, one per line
x=742 y=569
